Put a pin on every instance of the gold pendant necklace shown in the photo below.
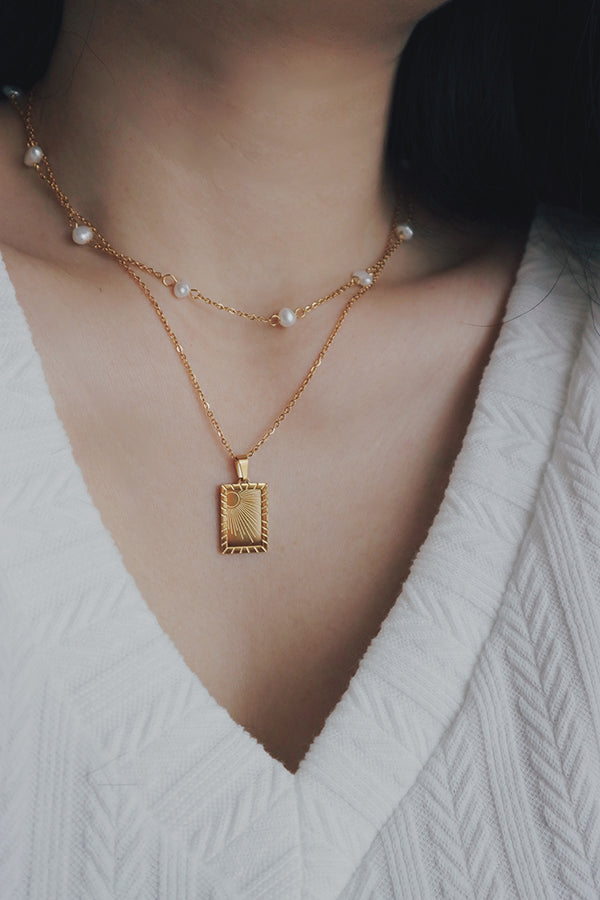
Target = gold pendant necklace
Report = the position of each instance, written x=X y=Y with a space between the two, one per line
x=243 y=505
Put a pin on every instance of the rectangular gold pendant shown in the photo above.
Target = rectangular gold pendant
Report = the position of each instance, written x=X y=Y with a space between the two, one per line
x=244 y=518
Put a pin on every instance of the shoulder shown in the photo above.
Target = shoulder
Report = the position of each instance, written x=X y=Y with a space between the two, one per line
x=19 y=215
x=11 y=161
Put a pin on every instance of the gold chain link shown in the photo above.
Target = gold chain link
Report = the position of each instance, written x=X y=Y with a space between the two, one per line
x=299 y=390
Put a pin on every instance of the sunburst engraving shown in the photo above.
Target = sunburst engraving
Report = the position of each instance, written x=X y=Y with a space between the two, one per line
x=243 y=518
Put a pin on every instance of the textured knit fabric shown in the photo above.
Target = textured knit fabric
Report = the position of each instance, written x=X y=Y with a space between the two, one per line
x=463 y=761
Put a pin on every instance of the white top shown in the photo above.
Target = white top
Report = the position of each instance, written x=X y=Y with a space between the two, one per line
x=462 y=761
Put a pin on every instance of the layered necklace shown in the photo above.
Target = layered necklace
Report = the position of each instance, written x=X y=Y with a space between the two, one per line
x=242 y=504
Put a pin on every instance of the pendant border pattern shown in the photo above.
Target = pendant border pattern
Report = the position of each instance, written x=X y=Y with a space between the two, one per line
x=261 y=543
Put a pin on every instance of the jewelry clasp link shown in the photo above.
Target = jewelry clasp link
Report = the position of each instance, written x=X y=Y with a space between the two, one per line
x=241 y=467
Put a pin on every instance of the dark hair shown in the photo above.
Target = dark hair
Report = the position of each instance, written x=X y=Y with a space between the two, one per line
x=496 y=104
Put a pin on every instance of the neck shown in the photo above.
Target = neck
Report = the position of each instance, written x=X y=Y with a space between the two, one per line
x=237 y=149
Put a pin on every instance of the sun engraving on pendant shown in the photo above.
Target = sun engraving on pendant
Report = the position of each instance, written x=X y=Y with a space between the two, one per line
x=243 y=509
x=244 y=516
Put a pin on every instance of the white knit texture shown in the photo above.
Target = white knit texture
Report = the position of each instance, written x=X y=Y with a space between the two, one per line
x=464 y=758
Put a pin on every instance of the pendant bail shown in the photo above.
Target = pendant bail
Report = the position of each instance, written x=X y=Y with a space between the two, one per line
x=241 y=467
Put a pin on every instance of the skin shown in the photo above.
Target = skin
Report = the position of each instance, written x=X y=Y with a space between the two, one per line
x=240 y=144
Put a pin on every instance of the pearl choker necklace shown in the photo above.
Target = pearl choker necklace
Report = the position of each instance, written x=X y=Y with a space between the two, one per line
x=83 y=233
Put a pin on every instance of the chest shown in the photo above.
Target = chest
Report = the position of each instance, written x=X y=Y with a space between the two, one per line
x=490 y=656
x=355 y=476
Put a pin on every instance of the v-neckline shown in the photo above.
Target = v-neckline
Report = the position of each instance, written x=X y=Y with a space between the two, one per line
x=198 y=771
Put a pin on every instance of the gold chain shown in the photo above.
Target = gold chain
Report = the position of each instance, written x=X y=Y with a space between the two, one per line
x=299 y=390
x=129 y=264
x=75 y=218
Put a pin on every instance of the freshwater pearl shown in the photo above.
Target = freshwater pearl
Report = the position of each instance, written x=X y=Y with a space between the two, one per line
x=363 y=277
x=287 y=317
x=82 y=235
x=33 y=156
x=181 y=289
x=12 y=93
x=404 y=231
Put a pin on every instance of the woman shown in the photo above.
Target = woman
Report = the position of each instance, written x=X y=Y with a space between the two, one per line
x=400 y=697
